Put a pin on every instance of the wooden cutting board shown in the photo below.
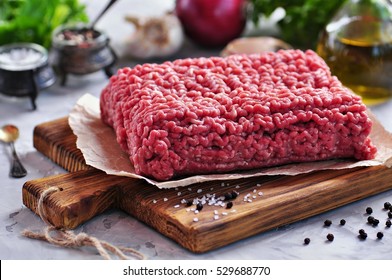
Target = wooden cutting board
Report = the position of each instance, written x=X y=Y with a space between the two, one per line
x=87 y=192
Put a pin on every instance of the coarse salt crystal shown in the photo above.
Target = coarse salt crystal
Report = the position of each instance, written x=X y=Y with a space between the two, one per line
x=154 y=201
x=261 y=193
x=196 y=211
x=224 y=213
x=199 y=190
x=176 y=206
x=195 y=219
x=189 y=189
x=179 y=193
x=258 y=185
x=237 y=187
x=250 y=200
x=254 y=191
x=216 y=217
x=216 y=212
x=254 y=197
x=165 y=199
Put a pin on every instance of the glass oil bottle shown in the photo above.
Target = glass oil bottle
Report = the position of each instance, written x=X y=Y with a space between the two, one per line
x=357 y=46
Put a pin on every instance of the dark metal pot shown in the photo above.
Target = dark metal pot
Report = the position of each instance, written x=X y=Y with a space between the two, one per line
x=24 y=70
x=80 y=55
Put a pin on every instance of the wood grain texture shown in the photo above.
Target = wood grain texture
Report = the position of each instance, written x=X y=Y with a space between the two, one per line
x=87 y=192
x=56 y=140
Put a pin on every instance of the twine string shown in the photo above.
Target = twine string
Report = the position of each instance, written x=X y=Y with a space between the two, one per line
x=67 y=238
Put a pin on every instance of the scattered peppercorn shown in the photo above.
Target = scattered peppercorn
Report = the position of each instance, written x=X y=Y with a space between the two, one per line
x=229 y=205
x=390 y=214
x=199 y=206
x=307 y=241
x=228 y=196
x=234 y=194
x=342 y=222
x=370 y=219
x=375 y=222
x=369 y=210
x=189 y=203
x=380 y=235
x=388 y=223
x=387 y=205
x=330 y=237
x=327 y=223
x=363 y=235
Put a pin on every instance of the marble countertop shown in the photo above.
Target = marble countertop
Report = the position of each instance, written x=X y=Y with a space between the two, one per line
x=122 y=230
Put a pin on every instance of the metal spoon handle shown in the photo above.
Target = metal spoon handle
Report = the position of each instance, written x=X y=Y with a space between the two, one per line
x=102 y=13
x=17 y=170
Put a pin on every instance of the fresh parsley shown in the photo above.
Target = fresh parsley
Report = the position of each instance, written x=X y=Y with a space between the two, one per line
x=304 y=19
x=34 y=20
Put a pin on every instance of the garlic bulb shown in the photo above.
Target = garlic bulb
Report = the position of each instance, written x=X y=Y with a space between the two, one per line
x=155 y=36
x=249 y=45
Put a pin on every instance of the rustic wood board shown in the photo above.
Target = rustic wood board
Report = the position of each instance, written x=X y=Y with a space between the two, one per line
x=87 y=192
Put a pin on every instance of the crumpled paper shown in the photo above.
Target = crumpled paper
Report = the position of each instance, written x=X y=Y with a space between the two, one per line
x=97 y=142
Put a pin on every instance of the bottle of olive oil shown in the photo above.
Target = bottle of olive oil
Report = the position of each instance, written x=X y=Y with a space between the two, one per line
x=357 y=45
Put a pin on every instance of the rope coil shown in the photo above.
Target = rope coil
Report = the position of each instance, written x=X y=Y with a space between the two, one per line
x=67 y=238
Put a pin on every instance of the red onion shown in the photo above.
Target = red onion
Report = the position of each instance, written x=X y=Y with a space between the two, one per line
x=212 y=23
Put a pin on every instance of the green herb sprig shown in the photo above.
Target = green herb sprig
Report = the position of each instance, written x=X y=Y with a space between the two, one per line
x=34 y=20
x=304 y=19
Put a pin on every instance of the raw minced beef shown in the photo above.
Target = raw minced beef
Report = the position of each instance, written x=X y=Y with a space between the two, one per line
x=210 y=115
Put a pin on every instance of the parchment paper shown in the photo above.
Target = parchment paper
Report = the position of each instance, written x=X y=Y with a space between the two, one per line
x=98 y=144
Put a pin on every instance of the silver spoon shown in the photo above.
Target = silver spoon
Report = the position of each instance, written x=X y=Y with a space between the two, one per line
x=9 y=134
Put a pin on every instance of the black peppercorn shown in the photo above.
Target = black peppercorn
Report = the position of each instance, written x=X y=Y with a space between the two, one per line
x=327 y=223
x=390 y=214
x=369 y=210
x=375 y=222
x=228 y=196
x=189 y=203
x=307 y=241
x=388 y=223
x=330 y=237
x=199 y=206
x=380 y=235
x=229 y=205
x=363 y=235
x=370 y=219
x=342 y=222
x=387 y=205
x=234 y=194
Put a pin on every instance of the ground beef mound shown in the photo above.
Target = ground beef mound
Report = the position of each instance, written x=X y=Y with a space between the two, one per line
x=211 y=115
